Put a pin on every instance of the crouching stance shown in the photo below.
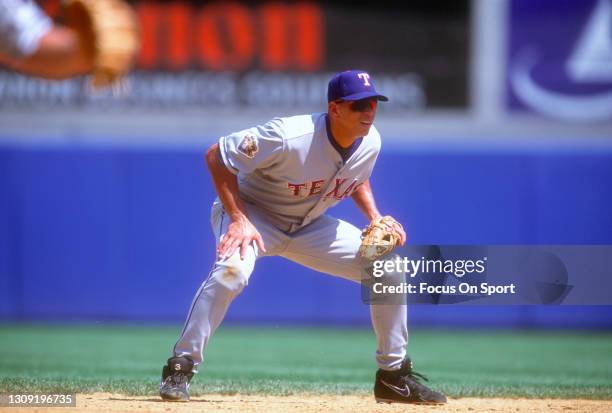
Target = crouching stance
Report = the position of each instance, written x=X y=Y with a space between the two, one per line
x=274 y=184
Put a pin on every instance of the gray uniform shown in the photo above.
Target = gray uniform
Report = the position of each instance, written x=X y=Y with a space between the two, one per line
x=22 y=24
x=289 y=174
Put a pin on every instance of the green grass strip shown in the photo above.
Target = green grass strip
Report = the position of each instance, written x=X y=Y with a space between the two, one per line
x=283 y=361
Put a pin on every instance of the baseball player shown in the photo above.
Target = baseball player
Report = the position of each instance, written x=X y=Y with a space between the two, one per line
x=274 y=183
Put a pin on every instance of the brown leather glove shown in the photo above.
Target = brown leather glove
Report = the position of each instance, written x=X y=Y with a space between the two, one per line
x=109 y=30
x=379 y=238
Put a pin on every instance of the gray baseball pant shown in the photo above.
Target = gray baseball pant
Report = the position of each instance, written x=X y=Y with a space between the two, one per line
x=327 y=245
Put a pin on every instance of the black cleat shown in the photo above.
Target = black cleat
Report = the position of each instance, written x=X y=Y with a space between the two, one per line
x=176 y=376
x=403 y=386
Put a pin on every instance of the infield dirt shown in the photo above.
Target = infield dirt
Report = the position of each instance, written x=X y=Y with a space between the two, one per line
x=107 y=402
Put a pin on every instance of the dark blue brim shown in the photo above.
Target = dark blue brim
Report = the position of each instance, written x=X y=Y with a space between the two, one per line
x=364 y=95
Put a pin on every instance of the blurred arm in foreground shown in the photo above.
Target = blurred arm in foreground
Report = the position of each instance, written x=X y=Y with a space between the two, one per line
x=31 y=44
x=100 y=37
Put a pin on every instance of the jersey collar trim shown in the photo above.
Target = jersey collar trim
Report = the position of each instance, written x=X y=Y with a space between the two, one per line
x=345 y=153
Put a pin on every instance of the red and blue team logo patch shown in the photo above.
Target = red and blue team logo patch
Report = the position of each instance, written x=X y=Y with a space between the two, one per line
x=248 y=146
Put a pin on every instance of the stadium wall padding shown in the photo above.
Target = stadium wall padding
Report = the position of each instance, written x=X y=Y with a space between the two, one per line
x=113 y=233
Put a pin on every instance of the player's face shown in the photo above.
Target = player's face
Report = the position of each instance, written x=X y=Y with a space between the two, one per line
x=357 y=116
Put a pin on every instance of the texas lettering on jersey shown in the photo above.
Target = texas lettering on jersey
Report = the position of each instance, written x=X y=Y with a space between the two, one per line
x=316 y=187
x=289 y=168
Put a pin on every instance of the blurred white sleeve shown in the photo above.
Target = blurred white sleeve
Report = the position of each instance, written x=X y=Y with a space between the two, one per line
x=22 y=24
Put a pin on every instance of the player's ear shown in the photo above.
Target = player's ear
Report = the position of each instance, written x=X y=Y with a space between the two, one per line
x=333 y=109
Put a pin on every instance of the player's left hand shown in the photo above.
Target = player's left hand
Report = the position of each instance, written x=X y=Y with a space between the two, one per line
x=396 y=227
x=380 y=237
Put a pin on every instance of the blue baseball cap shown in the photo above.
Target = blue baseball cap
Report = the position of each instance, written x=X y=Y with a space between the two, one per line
x=352 y=85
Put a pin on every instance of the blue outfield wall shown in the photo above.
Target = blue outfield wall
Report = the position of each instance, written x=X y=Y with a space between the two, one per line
x=123 y=233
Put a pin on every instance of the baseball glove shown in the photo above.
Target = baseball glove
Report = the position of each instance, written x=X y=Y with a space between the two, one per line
x=109 y=30
x=379 y=238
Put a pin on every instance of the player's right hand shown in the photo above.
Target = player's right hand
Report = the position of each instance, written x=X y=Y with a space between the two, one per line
x=240 y=234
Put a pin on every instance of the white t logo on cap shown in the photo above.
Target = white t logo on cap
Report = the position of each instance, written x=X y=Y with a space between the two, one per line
x=365 y=78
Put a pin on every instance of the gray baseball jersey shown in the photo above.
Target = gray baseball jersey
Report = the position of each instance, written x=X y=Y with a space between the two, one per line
x=289 y=174
x=291 y=171
x=22 y=24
